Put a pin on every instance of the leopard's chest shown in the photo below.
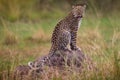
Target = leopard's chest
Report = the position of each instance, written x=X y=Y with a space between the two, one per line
x=79 y=23
x=75 y=25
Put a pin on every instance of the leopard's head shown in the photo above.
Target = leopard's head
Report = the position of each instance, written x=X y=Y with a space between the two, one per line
x=35 y=65
x=78 y=10
x=38 y=65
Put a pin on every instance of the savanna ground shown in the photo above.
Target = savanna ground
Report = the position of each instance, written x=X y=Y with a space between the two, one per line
x=25 y=40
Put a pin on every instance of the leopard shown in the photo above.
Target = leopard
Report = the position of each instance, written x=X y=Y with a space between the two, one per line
x=65 y=32
x=39 y=64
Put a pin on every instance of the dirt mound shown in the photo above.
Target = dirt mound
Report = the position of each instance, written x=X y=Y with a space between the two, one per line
x=60 y=60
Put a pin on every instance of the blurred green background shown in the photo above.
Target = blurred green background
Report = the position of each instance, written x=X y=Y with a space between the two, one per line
x=20 y=19
x=26 y=27
x=14 y=10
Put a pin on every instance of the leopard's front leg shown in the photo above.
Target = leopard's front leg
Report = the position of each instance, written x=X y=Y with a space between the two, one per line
x=73 y=41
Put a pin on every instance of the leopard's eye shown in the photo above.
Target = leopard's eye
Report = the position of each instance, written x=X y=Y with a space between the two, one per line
x=30 y=64
x=37 y=66
x=43 y=60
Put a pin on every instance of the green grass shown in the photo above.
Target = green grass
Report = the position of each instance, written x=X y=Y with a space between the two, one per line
x=98 y=37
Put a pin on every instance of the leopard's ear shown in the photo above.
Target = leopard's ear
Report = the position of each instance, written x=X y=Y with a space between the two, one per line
x=30 y=64
x=84 y=6
x=73 y=6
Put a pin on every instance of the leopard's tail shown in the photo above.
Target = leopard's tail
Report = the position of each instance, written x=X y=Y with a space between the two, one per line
x=52 y=51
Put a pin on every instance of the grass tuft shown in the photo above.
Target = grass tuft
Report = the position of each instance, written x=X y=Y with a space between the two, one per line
x=10 y=38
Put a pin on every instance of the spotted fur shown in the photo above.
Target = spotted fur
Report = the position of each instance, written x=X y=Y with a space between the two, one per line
x=65 y=31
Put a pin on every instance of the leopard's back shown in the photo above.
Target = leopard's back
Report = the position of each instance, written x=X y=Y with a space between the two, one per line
x=60 y=36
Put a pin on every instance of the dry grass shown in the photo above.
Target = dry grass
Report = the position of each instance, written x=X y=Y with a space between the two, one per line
x=105 y=56
x=10 y=38
x=39 y=36
x=31 y=41
x=104 y=50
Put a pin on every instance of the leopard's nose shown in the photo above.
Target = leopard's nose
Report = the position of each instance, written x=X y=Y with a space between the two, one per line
x=81 y=16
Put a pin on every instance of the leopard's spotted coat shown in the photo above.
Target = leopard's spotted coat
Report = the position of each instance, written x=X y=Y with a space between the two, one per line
x=65 y=31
